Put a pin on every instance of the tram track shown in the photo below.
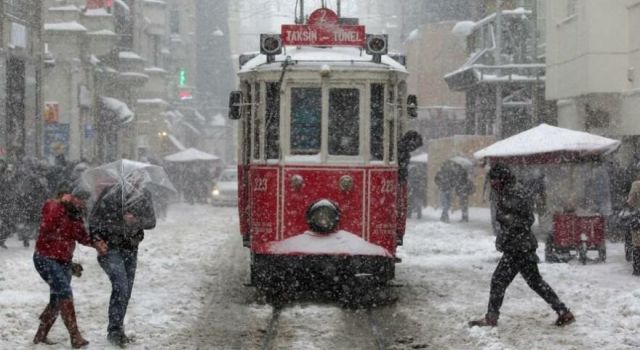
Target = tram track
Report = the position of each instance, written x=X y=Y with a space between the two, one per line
x=271 y=330
x=368 y=326
x=375 y=331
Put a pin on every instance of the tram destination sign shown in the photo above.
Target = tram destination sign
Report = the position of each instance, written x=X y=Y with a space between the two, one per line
x=323 y=29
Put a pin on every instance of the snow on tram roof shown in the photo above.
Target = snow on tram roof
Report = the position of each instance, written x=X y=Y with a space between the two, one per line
x=320 y=56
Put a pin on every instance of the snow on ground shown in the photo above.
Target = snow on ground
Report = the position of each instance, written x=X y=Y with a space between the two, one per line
x=453 y=263
x=169 y=291
x=445 y=277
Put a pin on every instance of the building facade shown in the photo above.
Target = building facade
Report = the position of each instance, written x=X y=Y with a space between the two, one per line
x=504 y=76
x=21 y=53
x=592 y=68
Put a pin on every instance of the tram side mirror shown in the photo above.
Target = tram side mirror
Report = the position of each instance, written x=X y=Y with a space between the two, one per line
x=412 y=106
x=235 y=105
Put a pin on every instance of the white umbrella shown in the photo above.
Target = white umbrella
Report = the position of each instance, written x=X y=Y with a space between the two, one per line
x=190 y=155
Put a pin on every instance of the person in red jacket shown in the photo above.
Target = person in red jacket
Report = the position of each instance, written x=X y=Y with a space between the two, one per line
x=61 y=227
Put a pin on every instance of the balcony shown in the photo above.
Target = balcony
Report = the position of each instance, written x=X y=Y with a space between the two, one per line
x=98 y=19
x=155 y=17
x=101 y=42
x=69 y=13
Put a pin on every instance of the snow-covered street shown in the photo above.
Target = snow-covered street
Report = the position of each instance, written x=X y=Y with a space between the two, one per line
x=190 y=294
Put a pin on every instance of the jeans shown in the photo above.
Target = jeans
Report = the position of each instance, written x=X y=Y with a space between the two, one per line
x=120 y=265
x=525 y=263
x=57 y=274
x=445 y=201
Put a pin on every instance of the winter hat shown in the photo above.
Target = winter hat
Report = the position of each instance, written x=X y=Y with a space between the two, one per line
x=501 y=172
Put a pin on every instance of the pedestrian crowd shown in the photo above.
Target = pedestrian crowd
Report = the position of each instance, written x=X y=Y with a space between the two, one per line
x=48 y=203
x=24 y=187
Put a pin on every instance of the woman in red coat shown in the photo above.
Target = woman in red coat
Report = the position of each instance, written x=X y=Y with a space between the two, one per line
x=61 y=227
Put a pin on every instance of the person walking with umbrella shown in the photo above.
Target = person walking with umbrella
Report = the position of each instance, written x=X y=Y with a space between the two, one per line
x=121 y=214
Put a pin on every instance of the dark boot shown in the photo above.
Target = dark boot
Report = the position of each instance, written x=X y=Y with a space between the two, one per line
x=47 y=319
x=565 y=318
x=117 y=339
x=487 y=321
x=68 y=312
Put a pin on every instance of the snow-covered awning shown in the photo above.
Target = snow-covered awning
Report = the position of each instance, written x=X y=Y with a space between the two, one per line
x=190 y=155
x=65 y=27
x=118 y=108
x=177 y=143
x=546 y=144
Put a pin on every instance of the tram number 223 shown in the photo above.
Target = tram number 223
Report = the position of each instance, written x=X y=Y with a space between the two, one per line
x=260 y=184
x=388 y=186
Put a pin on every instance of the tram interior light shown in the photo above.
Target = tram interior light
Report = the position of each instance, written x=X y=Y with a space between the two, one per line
x=235 y=105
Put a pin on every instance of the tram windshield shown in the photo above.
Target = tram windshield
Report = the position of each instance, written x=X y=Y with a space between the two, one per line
x=306 y=120
x=344 y=122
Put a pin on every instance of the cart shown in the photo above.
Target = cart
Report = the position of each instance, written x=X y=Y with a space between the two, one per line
x=579 y=234
x=568 y=170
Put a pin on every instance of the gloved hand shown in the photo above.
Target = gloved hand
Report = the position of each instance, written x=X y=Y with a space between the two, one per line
x=76 y=269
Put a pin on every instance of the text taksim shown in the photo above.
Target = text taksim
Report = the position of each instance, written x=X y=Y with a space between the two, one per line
x=302 y=36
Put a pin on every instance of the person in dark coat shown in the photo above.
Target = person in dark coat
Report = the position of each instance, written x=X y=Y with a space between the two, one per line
x=7 y=206
x=31 y=192
x=464 y=189
x=446 y=181
x=61 y=227
x=119 y=218
x=415 y=192
x=409 y=142
x=514 y=213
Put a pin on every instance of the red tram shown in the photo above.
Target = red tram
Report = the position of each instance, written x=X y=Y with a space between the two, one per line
x=320 y=112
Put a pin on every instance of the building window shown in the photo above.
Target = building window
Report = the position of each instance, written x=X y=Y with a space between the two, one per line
x=174 y=21
x=572 y=6
x=18 y=8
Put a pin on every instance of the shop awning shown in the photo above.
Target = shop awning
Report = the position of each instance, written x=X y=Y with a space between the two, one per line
x=120 y=110
x=190 y=155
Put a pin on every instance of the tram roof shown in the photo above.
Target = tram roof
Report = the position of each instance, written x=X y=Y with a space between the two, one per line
x=320 y=56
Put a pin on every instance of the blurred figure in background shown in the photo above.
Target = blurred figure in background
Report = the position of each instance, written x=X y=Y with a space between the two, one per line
x=7 y=189
x=464 y=189
x=446 y=182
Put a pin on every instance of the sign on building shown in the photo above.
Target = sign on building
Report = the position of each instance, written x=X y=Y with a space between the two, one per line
x=56 y=139
x=51 y=112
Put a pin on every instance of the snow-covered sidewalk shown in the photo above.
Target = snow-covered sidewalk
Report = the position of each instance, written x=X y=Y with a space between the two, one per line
x=445 y=277
x=450 y=265
x=168 y=296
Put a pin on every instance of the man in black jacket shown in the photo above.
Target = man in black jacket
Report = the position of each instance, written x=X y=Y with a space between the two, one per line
x=515 y=240
x=119 y=218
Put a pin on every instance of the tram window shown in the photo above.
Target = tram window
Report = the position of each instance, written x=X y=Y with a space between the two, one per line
x=344 y=122
x=246 y=146
x=392 y=130
x=306 y=114
x=256 y=122
x=377 y=121
x=272 y=121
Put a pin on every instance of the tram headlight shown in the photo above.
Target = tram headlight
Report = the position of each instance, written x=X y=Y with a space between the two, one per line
x=215 y=192
x=323 y=216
